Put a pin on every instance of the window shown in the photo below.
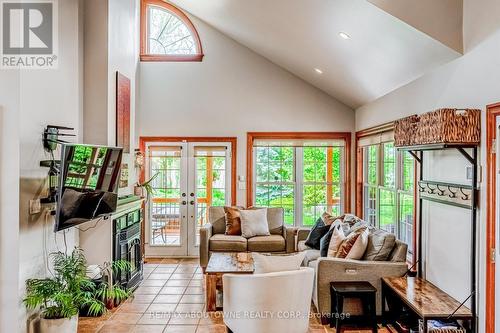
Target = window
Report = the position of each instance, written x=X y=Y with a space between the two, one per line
x=305 y=177
x=167 y=34
x=388 y=198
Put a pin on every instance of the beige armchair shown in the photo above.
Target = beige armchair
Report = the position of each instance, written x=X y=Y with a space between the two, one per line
x=214 y=239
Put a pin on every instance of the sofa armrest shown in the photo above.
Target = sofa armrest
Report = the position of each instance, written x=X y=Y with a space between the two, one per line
x=289 y=234
x=302 y=234
x=205 y=234
x=336 y=269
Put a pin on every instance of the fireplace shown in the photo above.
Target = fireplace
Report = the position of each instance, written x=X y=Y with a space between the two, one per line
x=127 y=246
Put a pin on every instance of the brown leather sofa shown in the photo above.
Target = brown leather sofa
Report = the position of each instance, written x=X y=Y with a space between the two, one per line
x=213 y=238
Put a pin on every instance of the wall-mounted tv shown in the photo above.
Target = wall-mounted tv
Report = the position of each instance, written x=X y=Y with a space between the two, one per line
x=88 y=183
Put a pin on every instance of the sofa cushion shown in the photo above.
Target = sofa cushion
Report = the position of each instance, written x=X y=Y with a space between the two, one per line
x=275 y=220
x=310 y=256
x=221 y=242
x=358 y=249
x=233 y=221
x=380 y=245
x=254 y=222
x=335 y=241
x=301 y=246
x=265 y=263
x=271 y=243
x=217 y=218
x=318 y=230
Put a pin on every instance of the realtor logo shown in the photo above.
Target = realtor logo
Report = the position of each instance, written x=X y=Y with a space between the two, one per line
x=29 y=34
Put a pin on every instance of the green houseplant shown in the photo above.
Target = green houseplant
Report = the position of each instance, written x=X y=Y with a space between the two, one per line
x=60 y=297
x=146 y=186
x=107 y=291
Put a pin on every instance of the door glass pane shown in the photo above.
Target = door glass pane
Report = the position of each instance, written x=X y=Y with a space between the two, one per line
x=389 y=165
x=165 y=167
x=210 y=182
x=387 y=210
x=406 y=219
x=321 y=179
x=275 y=181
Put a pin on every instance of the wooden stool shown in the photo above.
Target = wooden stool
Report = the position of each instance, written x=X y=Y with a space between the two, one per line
x=352 y=289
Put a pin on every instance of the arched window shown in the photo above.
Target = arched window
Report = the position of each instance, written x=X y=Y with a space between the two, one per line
x=167 y=34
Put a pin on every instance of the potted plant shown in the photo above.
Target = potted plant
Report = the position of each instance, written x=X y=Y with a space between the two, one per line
x=60 y=297
x=146 y=186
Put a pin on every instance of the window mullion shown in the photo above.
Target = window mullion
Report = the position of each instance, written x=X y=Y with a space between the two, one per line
x=299 y=185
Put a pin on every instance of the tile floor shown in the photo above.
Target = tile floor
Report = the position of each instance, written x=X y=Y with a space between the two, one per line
x=167 y=301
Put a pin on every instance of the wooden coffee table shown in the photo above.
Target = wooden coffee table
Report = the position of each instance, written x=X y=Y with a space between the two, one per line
x=219 y=264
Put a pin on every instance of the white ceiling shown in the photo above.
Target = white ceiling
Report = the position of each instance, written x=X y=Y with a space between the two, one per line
x=383 y=53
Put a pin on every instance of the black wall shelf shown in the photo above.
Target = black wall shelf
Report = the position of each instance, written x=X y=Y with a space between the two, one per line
x=417 y=152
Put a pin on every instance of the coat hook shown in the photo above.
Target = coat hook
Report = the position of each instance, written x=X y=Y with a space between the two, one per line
x=452 y=194
x=440 y=191
x=465 y=195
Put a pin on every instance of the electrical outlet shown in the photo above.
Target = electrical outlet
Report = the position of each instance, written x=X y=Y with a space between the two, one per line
x=35 y=207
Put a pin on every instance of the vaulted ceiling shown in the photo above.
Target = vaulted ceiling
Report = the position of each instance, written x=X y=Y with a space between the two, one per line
x=388 y=47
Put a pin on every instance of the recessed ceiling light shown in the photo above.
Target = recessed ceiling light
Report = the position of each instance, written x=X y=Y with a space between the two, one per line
x=344 y=35
x=319 y=71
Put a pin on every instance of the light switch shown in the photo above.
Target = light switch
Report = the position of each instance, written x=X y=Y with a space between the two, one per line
x=242 y=185
x=35 y=207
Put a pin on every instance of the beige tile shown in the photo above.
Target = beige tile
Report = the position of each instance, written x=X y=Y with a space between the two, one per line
x=177 y=283
x=189 y=308
x=116 y=328
x=196 y=283
x=164 y=270
x=141 y=299
x=180 y=329
x=198 y=276
x=158 y=276
x=133 y=307
x=212 y=329
x=184 y=319
x=149 y=328
x=125 y=318
x=147 y=290
x=173 y=290
x=167 y=299
x=161 y=308
x=185 y=269
x=153 y=283
x=154 y=319
x=194 y=291
x=181 y=276
x=192 y=299
x=212 y=318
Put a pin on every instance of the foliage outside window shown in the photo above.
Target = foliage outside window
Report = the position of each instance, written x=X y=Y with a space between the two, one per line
x=305 y=181
x=388 y=190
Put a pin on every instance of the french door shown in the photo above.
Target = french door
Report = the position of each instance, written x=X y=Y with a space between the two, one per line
x=188 y=177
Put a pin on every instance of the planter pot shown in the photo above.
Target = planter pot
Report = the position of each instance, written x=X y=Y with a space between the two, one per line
x=63 y=325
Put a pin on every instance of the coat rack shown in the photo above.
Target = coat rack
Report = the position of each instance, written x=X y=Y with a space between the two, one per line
x=463 y=196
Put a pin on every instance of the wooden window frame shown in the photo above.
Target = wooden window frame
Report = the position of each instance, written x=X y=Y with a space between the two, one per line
x=359 y=163
x=346 y=136
x=492 y=111
x=145 y=56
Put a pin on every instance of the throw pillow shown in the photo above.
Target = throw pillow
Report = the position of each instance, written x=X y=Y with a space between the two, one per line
x=317 y=231
x=233 y=221
x=265 y=263
x=324 y=242
x=380 y=245
x=328 y=218
x=254 y=223
x=337 y=238
x=358 y=249
x=347 y=244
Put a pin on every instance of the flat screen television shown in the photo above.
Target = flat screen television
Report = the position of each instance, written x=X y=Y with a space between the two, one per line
x=88 y=184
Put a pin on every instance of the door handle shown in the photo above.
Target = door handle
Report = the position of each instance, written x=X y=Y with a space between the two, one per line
x=192 y=202
x=184 y=202
x=191 y=194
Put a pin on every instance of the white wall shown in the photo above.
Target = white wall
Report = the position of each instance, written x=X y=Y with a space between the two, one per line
x=123 y=56
x=46 y=97
x=470 y=81
x=9 y=199
x=231 y=92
